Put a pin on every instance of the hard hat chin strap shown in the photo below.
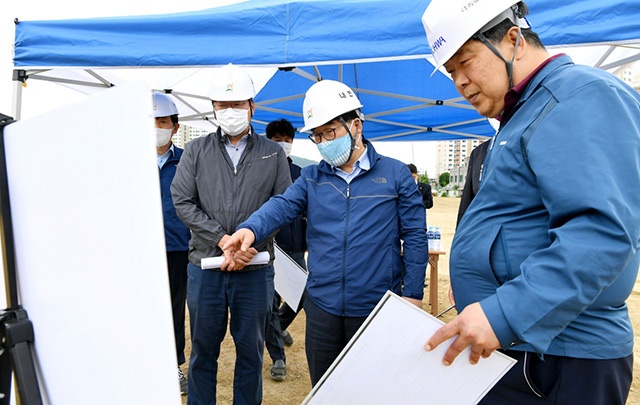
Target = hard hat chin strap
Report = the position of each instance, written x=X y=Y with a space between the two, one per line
x=353 y=138
x=509 y=64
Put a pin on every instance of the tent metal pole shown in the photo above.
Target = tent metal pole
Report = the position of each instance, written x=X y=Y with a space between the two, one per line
x=278 y=111
x=98 y=77
x=305 y=74
x=604 y=57
x=318 y=75
x=452 y=102
x=19 y=78
x=191 y=107
x=621 y=62
x=280 y=99
x=69 y=81
x=426 y=128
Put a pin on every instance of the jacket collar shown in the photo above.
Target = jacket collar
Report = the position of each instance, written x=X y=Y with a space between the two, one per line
x=551 y=64
x=514 y=94
x=251 y=135
x=176 y=153
x=542 y=74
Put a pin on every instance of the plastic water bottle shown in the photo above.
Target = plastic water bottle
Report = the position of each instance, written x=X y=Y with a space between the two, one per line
x=437 y=242
x=431 y=238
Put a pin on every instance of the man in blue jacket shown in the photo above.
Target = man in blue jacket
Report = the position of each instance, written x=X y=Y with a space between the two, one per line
x=548 y=250
x=359 y=206
x=176 y=234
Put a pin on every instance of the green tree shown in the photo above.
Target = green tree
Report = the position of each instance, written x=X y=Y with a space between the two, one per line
x=424 y=178
x=444 y=179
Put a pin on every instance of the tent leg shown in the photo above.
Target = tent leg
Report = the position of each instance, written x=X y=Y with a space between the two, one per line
x=19 y=78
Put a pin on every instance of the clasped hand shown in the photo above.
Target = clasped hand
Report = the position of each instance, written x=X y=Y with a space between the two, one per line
x=237 y=250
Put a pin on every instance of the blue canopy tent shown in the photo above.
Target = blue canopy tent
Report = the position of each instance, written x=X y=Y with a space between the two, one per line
x=377 y=47
x=400 y=101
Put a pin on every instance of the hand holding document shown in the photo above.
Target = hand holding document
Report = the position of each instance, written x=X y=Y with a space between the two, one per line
x=470 y=328
x=216 y=262
x=385 y=363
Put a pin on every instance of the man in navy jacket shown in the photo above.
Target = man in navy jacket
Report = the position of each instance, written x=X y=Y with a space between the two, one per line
x=293 y=241
x=176 y=234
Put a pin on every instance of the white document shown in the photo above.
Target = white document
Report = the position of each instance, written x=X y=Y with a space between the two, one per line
x=216 y=262
x=290 y=279
x=385 y=363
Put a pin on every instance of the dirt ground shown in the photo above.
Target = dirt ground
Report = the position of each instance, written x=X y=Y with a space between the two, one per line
x=296 y=386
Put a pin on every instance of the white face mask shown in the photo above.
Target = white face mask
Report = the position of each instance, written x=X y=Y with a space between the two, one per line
x=163 y=136
x=232 y=120
x=286 y=146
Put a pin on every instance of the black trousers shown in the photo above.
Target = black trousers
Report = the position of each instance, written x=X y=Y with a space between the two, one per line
x=273 y=337
x=562 y=380
x=326 y=335
x=287 y=315
x=177 y=263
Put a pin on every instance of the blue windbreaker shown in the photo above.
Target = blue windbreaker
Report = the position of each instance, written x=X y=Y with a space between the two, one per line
x=354 y=232
x=549 y=245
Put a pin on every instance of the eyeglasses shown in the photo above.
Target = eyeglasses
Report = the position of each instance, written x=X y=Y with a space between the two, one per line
x=223 y=105
x=328 y=134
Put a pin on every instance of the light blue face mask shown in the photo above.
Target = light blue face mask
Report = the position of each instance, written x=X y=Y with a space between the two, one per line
x=338 y=151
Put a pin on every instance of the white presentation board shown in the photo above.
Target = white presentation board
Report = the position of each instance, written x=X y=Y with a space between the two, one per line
x=90 y=253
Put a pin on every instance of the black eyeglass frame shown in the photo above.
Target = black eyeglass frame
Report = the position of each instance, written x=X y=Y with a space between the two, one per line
x=313 y=136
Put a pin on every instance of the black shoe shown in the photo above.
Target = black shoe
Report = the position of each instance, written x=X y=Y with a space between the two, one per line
x=287 y=338
x=278 y=370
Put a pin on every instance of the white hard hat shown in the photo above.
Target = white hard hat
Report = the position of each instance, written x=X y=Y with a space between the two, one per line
x=326 y=100
x=163 y=106
x=231 y=83
x=451 y=23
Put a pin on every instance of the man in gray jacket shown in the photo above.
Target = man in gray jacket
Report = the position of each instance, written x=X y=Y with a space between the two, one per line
x=221 y=179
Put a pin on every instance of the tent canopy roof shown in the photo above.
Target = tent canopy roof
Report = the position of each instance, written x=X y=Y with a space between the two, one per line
x=375 y=46
x=290 y=33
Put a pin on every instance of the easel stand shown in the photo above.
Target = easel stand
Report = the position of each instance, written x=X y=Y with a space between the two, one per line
x=16 y=330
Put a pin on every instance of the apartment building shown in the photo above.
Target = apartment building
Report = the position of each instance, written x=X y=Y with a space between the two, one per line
x=451 y=154
x=187 y=133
